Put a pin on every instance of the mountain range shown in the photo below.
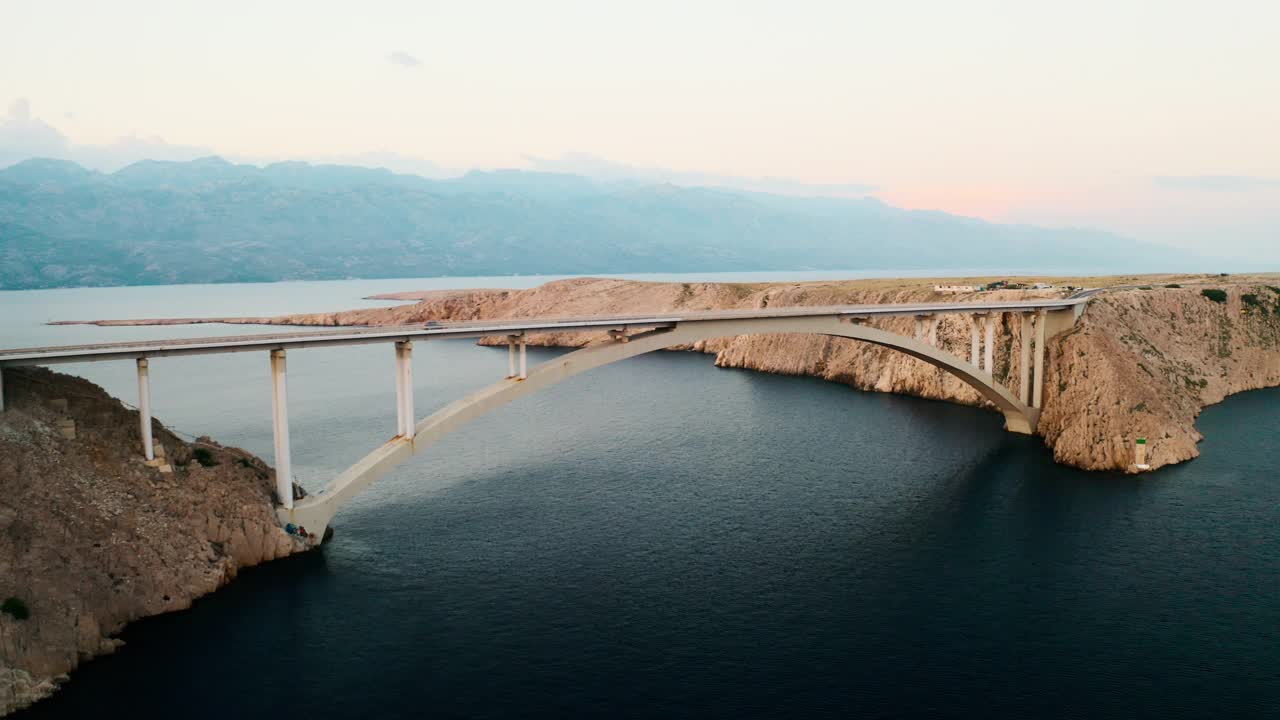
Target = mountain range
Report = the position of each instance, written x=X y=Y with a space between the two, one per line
x=210 y=220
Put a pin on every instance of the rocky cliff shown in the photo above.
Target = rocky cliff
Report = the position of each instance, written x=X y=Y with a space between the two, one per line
x=1142 y=361
x=91 y=538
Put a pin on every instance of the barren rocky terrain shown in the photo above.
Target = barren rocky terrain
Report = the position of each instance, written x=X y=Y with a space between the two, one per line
x=91 y=538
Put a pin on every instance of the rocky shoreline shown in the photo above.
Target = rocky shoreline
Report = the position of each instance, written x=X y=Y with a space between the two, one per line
x=1142 y=362
x=93 y=538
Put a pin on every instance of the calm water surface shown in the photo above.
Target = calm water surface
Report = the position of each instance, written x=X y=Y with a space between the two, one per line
x=660 y=538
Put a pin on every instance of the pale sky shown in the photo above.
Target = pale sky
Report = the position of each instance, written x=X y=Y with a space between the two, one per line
x=1160 y=120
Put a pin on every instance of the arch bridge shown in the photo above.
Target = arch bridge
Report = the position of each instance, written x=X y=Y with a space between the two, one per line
x=631 y=335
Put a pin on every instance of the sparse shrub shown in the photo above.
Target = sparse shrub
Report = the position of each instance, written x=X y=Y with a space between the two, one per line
x=15 y=607
x=1144 y=287
x=1214 y=294
x=1251 y=300
x=1173 y=285
x=204 y=457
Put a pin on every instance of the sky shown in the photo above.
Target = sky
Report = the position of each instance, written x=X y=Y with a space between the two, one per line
x=1158 y=120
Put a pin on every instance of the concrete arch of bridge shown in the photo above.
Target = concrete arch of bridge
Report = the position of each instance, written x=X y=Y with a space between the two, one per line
x=315 y=511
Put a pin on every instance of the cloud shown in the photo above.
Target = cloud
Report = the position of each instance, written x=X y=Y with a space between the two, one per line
x=24 y=136
x=404 y=59
x=603 y=169
x=1216 y=182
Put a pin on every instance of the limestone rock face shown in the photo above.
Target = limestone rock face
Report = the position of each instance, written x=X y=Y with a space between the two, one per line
x=1141 y=362
x=1144 y=363
x=91 y=538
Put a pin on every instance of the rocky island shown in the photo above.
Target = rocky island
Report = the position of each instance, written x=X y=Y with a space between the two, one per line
x=92 y=538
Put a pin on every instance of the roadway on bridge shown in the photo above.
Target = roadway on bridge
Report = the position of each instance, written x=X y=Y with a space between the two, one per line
x=516 y=326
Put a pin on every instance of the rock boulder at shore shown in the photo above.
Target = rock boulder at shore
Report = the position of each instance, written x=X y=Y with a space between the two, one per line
x=92 y=538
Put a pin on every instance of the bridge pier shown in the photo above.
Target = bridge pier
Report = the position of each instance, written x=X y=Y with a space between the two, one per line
x=974 y=320
x=1024 y=359
x=927 y=329
x=524 y=368
x=144 y=409
x=1037 y=392
x=280 y=429
x=511 y=356
x=1 y=388
x=988 y=357
x=404 y=390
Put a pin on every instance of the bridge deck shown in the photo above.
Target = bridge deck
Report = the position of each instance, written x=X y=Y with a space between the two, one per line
x=452 y=330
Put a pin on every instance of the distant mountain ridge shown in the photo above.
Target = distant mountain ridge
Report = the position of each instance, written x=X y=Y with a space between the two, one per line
x=209 y=220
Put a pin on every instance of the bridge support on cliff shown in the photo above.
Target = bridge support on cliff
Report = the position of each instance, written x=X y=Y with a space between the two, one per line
x=1037 y=390
x=144 y=409
x=989 y=344
x=1024 y=358
x=975 y=339
x=280 y=429
x=927 y=329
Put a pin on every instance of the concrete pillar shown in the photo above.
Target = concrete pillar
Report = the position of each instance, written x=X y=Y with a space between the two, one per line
x=973 y=339
x=144 y=408
x=405 y=415
x=411 y=413
x=523 y=367
x=511 y=356
x=1140 y=454
x=989 y=351
x=927 y=329
x=1037 y=392
x=1024 y=359
x=280 y=425
x=399 y=389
